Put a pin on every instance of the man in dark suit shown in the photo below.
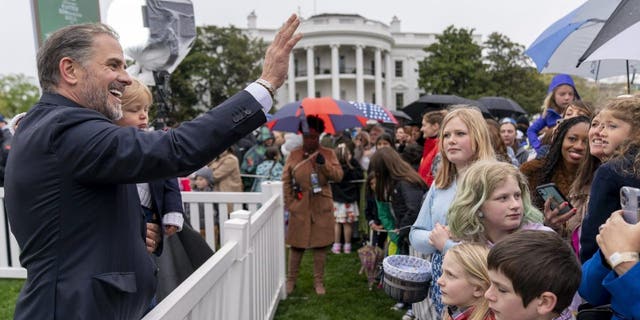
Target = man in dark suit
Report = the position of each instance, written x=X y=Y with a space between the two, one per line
x=70 y=183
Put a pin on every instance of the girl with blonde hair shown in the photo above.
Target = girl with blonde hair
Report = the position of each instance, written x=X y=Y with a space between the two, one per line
x=493 y=202
x=464 y=281
x=464 y=139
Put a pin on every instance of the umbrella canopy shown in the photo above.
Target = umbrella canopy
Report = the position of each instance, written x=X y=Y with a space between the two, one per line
x=375 y=112
x=560 y=46
x=431 y=102
x=617 y=40
x=502 y=107
x=400 y=114
x=336 y=114
x=619 y=35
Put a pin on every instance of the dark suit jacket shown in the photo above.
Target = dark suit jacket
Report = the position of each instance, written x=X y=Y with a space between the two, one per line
x=74 y=209
x=165 y=198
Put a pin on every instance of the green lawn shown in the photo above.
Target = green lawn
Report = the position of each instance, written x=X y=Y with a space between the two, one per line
x=9 y=289
x=348 y=296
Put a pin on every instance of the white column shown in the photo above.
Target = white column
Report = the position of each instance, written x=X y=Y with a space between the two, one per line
x=292 y=79
x=387 y=81
x=378 y=75
x=335 y=71
x=311 y=84
x=359 y=74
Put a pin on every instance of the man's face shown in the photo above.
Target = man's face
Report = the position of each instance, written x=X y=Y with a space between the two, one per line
x=103 y=78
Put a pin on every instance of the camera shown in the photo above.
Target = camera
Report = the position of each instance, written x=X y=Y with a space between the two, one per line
x=629 y=197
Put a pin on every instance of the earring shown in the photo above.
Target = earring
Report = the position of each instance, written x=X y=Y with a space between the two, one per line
x=480 y=214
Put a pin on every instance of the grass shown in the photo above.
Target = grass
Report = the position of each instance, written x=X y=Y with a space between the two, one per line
x=348 y=296
x=9 y=290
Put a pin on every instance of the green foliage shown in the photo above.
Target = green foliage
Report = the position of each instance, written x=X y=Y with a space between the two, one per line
x=221 y=63
x=454 y=65
x=509 y=75
x=17 y=94
x=9 y=290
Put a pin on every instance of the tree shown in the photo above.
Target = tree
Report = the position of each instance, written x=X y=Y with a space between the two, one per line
x=453 y=65
x=221 y=63
x=509 y=73
x=17 y=94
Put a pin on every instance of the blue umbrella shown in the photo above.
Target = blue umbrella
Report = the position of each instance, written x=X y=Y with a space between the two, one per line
x=559 y=47
x=375 y=112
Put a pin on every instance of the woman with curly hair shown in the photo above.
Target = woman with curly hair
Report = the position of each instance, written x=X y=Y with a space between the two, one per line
x=569 y=148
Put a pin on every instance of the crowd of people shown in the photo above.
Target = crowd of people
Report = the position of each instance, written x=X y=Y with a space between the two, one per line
x=91 y=193
x=470 y=204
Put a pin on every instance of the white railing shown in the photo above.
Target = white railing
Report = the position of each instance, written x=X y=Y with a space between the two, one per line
x=222 y=202
x=245 y=278
x=9 y=250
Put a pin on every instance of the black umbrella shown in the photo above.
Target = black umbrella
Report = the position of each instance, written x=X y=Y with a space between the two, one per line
x=432 y=102
x=502 y=107
x=400 y=114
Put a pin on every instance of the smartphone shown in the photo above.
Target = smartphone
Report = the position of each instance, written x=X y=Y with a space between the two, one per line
x=629 y=197
x=551 y=191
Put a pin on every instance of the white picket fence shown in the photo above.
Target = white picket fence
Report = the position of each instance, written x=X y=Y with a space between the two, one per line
x=244 y=279
x=9 y=250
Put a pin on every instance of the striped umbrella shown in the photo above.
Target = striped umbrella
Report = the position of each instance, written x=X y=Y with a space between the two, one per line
x=336 y=114
x=375 y=112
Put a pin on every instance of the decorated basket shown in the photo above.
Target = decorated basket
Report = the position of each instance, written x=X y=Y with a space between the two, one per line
x=406 y=278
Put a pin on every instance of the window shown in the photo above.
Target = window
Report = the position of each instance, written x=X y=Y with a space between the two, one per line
x=343 y=64
x=373 y=97
x=316 y=65
x=343 y=94
x=399 y=69
x=318 y=95
x=296 y=70
x=297 y=96
x=399 y=100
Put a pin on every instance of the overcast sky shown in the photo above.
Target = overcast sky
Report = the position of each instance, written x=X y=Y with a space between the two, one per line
x=520 y=20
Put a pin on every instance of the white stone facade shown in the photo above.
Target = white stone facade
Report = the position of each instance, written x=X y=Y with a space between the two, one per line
x=349 y=57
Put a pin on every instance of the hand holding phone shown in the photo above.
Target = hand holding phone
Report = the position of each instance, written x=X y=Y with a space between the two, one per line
x=629 y=202
x=550 y=191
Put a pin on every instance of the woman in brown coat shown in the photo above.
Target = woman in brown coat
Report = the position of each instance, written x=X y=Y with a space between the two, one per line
x=226 y=172
x=308 y=197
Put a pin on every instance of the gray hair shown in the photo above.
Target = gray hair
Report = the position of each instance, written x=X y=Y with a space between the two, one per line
x=75 y=42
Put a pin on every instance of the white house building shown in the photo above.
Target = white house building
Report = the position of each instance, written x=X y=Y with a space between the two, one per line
x=349 y=57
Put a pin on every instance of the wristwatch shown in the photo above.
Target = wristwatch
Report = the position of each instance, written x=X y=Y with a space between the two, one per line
x=619 y=257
